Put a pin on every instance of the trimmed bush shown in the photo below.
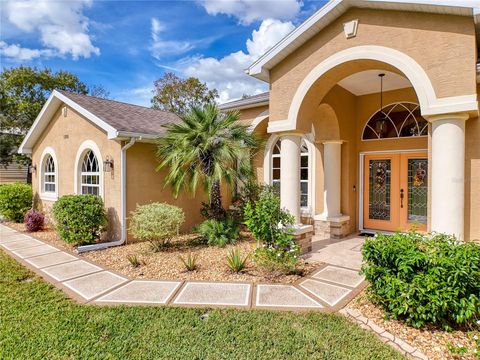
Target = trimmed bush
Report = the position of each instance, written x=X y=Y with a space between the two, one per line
x=34 y=220
x=424 y=279
x=219 y=232
x=15 y=201
x=79 y=219
x=157 y=223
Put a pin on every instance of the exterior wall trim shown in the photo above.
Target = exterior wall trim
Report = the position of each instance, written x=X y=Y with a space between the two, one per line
x=44 y=195
x=258 y=120
x=429 y=103
x=87 y=145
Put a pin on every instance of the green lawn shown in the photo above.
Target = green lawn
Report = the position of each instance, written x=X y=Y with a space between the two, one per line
x=38 y=321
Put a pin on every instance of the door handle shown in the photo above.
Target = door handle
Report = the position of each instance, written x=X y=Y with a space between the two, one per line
x=401 y=198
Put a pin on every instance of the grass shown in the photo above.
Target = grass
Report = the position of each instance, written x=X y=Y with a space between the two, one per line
x=37 y=321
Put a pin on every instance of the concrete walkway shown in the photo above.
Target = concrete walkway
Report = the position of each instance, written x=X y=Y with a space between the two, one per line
x=329 y=289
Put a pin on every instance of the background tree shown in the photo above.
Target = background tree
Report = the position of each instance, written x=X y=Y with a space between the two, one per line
x=204 y=149
x=179 y=95
x=99 y=91
x=23 y=92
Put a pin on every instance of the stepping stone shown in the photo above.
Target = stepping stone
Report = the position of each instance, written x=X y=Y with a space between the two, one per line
x=331 y=294
x=56 y=258
x=35 y=251
x=71 y=270
x=214 y=294
x=340 y=276
x=140 y=291
x=96 y=284
x=21 y=244
x=283 y=296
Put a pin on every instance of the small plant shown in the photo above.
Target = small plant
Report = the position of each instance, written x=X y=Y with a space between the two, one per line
x=135 y=261
x=235 y=262
x=34 y=220
x=219 y=232
x=79 y=219
x=190 y=262
x=280 y=257
x=15 y=201
x=157 y=223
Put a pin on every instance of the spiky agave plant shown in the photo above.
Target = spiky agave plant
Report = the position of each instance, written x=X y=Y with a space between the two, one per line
x=205 y=148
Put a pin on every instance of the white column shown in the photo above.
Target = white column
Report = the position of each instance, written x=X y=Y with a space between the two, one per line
x=448 y=173
x=290 y=175
x=332 y=175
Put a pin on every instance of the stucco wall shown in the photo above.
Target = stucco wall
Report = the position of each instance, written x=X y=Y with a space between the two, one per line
x=64 y=135
x=436 y=42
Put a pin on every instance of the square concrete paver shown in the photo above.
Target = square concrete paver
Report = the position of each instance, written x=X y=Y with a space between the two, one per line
x=70 y=270
x=55 y=258
x=142 y=291
x=283 y=296
x=35 y=251
x=331 y=294
x=96 y=284
x=340 y=276
x=214 y=294
x=21 y=244
x=6 y=238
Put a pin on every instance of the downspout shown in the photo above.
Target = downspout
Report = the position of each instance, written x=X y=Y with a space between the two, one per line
x=123 y=194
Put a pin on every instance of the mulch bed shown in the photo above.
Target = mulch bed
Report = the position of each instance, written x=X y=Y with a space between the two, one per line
x=434 y=342
x=167 y=265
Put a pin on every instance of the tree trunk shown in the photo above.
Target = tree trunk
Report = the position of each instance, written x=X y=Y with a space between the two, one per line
x=218 y=212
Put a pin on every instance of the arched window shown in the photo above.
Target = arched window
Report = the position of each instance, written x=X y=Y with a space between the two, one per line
x=48 y=176
x=396 y=120
x=304 y=170
x=90 y=174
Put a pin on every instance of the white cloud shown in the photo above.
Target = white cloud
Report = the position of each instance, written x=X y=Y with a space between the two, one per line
x=161 y=48
x=62 y=27
x=227 y=74
x=248 y=11
x=16 y=52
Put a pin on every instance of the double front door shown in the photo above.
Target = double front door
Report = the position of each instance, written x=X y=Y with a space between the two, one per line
x=395 y=191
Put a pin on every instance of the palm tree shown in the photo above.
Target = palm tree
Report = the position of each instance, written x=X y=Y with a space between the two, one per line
x=205 y=148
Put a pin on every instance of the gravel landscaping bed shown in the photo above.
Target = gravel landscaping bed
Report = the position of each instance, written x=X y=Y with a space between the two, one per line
x=167 y=265
x=434 y=342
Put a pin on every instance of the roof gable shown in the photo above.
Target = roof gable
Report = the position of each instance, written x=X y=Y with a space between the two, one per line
x=334 y=9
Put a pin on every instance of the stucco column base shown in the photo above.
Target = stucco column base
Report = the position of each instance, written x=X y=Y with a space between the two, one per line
x=331 y=227
x=303 y=234
x=448 y=173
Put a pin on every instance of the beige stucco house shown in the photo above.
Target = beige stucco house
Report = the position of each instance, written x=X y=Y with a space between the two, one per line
x=371 y=124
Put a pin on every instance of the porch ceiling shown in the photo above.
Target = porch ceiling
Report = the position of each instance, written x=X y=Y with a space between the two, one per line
x=368 y=82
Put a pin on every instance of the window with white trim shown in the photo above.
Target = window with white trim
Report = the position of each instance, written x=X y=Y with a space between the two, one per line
x=49 y=174
x=90 y=174
x=304 y=175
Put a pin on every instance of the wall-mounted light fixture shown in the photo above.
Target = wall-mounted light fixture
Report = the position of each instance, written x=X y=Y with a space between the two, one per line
x=108 y=164
x=32 y=169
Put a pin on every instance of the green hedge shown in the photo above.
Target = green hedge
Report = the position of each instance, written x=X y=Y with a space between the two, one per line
x=15 y=201
x=424 y=279
x=80 y=219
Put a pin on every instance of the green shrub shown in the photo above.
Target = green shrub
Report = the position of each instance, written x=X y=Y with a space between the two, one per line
x=79 y=219
x=190 y=262
x=282 y=256
x=157 y=223
x=219 y=232
x=424 y=279
x=15 y=201
x=235 y=261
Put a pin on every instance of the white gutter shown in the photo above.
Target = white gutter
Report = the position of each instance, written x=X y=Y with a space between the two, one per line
x=123 y=190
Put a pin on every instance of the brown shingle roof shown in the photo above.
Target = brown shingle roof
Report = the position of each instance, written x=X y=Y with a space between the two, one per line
x=125 y=117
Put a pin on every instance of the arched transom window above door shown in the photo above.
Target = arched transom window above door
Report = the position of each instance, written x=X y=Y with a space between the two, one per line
x=398 y=120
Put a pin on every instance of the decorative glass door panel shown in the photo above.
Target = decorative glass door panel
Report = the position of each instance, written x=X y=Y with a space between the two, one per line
x=395 y=191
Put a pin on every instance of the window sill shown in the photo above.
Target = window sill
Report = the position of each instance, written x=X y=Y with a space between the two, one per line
x=48 y=197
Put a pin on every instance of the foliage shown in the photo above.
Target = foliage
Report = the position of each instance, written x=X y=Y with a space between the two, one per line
x=279 y=257
x=41 y=322
x=235 y=262
x=135 y=261
x=23 y=92
x=422 y=279
x=265 y=219
x=157 y=223
x=206 y=148
x=219 y=232
x=99 y=92
x=180 y=95
x=190 y=262
x=249 y=194
x=34 y=220
x=79 y=219
x=15 y=200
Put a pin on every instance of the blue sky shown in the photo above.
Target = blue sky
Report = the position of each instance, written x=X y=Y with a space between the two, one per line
x=126 y=45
